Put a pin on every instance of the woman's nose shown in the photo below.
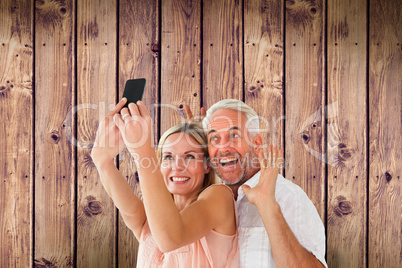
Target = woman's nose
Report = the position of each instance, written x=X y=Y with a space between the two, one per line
x=178 y=163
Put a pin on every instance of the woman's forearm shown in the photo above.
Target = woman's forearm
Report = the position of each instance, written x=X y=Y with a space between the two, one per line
x=162 y=214
x=118 y=188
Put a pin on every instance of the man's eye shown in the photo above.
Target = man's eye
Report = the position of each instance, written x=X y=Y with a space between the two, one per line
x=234 y=135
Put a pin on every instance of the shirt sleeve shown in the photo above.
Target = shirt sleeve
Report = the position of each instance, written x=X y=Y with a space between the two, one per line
x=304 y=221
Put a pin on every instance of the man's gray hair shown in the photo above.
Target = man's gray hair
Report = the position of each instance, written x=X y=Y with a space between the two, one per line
x=252 y=123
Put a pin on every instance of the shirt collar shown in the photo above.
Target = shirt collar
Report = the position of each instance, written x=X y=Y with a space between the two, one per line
x=252 y=182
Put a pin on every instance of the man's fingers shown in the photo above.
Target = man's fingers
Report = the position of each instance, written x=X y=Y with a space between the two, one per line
x=189 y=114
x=274 y=154
x=280 y=161
x=203 y=112
x=245 y=189
x=261 y=157
x=118 y=107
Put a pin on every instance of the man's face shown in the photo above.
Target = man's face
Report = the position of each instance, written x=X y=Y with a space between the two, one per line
x=231 y=148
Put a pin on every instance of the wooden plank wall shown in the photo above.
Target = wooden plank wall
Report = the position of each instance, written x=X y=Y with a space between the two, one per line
x=325 y=76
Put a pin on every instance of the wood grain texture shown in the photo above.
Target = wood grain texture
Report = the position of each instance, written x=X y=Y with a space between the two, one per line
x=181 y=59
x=54 y=165
x=16 y=132
x=222 y=51
x=305 y=99
x=138 y=58
x=347 y=133
x=385 y=156
x=96 y=94
x=263 y=66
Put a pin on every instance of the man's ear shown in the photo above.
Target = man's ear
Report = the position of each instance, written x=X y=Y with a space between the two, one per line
x=257 y=144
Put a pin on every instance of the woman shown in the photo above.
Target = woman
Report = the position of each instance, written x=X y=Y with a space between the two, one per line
x=182 y=220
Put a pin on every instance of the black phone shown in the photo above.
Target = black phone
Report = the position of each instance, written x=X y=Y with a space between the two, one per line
x=134 y=90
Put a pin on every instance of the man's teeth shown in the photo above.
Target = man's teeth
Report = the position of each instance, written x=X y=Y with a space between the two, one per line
x=180 y=178
x=224 y=161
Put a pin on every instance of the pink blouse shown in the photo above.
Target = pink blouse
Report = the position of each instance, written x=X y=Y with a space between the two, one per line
x=214 y=250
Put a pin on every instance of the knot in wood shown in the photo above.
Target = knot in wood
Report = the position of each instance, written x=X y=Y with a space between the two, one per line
x=344 y=207
x=345 y=153
x=93 y=207
x=252 y=89
x=305 y=137
x=388 y=176
x=42 y=262
x=55 y=137
x=155 y=47
x=4 y=90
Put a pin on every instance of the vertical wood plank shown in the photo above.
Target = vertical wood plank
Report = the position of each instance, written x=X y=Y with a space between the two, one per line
x=385 y=157
x=138 y=58
x=347 y=133
x=263 y=65
x=181 y=59
x=96 y=95
x=305 y=99
x=54 y=166
x=222 y=51
x=16 y=132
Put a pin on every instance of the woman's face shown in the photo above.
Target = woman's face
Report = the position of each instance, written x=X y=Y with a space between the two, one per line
x=183 y=165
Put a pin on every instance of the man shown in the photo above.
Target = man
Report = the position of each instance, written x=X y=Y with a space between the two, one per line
x=278 y=224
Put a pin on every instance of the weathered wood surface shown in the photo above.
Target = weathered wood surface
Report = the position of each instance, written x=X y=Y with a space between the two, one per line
x=39 y=186
x=54 y=124
x=305 y=99
x=263 y=66
x=385 y=119
x=96 y=94
x=138 y=58
x=181 y=64
x=222 y=74
x=347 y=133
x=16 y=133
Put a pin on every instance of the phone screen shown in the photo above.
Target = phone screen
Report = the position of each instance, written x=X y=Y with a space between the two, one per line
x=134 y=90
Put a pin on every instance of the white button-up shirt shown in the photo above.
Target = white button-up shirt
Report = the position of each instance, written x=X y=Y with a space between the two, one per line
x=299 y=213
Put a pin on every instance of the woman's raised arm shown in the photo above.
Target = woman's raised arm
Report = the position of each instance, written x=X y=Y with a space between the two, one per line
x=108 y=143
x=171 y=228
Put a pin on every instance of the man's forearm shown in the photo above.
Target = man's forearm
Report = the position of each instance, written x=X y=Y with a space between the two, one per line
x=286 y=250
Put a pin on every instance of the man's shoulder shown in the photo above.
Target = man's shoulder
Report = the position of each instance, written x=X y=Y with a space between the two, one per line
x=287 y=189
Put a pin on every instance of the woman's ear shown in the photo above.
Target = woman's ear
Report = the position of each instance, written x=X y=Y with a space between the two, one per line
x=207 y=167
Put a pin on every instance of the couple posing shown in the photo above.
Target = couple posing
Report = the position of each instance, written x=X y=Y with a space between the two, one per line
x=256 y=218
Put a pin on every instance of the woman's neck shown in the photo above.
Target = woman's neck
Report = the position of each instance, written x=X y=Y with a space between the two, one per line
x=182 y=201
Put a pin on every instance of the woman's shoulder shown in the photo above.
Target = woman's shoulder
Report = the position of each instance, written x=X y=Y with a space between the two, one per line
x=219 y=190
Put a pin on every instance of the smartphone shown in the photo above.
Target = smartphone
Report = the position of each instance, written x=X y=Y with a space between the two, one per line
x=134 y=90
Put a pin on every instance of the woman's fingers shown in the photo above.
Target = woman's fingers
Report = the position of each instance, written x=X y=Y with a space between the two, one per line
x=118 y=107
x=143 y=111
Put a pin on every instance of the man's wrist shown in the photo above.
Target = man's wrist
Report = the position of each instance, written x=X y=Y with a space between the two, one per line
x=268 y=206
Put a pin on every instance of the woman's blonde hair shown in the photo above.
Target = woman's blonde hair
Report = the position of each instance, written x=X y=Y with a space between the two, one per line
x=194 y=130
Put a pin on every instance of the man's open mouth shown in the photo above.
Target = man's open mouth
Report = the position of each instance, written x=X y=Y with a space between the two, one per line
x=228 y=162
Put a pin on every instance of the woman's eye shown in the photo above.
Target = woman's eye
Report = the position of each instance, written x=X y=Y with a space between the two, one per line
x=189 y=156
x=234 y=135
x=212 y=138
x=167 y=157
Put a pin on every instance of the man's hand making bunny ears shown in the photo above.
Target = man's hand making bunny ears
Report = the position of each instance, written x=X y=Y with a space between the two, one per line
x=264 y=191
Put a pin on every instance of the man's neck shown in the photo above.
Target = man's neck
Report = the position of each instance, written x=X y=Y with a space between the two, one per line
x=235 y=187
